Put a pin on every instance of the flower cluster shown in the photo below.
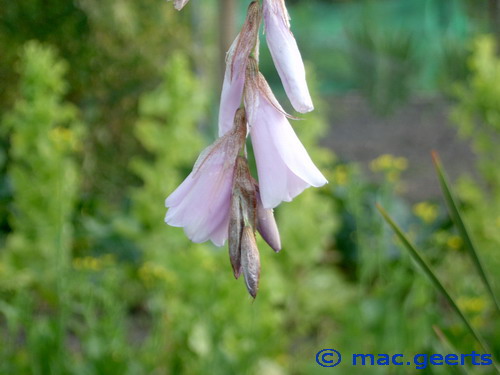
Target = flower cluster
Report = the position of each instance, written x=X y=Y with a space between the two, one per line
x=220 y=199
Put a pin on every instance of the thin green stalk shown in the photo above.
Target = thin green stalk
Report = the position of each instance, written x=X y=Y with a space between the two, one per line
x=449 y=346
x=462 y=228
x=435 y=281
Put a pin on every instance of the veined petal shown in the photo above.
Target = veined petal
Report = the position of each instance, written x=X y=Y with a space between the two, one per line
x=205 y=206
x=286 y=55
x=283 y=164
x=201 y=203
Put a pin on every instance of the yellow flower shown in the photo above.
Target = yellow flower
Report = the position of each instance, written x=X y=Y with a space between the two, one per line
x=455 y=242
x=387 y=162
x=340 y=175
x=89 y=263
x=150 y=272
x=401 y=163
x=426 y=211
x=64 y=138
x=472 y=304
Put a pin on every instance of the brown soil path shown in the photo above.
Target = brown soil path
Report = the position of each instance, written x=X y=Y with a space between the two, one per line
x=413 y=131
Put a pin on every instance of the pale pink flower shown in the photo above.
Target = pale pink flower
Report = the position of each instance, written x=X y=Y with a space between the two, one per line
x=286 y=55
x=201 y=203
x=283 y=164
x=236 y=62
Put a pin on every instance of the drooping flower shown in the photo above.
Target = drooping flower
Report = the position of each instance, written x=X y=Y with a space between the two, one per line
x=236 y=61
x=220 y=199
x=286 y=54
x=283 y=164
x=201 y=203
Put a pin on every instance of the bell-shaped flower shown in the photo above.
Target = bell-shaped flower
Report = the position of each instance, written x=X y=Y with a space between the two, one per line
x=201 y=203
x=286 y=54
x=236 y=61
x=283 y=164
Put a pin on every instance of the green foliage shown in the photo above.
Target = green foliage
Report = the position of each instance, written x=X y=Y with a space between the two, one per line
x=115 y=52
x=44 y=134
x=478 y=113
x=177 y=308
x=167 y=129
x=477 y=116
x=384 y=63
x=389 y=50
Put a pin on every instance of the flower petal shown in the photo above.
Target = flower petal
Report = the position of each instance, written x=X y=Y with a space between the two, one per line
x=236 y=62
x=286 y=55
x=201 y=203
x=232 y=89
x=179 y=4
x=283 y=164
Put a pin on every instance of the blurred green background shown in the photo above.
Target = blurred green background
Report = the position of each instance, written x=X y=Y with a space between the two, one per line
x=104 y=107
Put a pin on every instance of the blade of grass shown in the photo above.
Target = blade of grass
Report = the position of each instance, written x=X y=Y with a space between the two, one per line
x=462 y=228
x=449 y=346
x=435 y=281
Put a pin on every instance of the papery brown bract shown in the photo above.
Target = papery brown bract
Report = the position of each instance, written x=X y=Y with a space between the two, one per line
x=243 y=210
x=250 y=261
x=236 y=225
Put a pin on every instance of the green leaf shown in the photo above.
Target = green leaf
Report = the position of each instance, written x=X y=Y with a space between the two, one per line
x=435 y=281
x=462 y=228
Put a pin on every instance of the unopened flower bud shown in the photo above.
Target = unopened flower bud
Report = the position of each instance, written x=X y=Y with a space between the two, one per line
x=266 y=225
x=243 y=210
x=250 y=261
x=234 y=238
